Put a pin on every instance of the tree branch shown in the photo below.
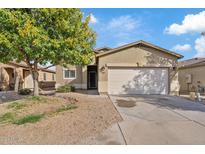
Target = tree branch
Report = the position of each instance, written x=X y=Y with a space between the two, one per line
x=26 y=58
x=49 y=66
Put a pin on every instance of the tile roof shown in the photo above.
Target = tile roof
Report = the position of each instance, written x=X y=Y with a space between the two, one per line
x=25 y=66
x=102 y=49
x=192 y=62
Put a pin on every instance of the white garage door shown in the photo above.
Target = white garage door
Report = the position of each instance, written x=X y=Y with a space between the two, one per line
x=137 y=81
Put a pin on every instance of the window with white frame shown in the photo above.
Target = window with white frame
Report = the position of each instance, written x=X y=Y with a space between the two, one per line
x=69 y=74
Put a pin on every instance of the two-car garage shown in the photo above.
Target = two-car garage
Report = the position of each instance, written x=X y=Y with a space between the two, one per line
x=132 y=80
x=138 y=68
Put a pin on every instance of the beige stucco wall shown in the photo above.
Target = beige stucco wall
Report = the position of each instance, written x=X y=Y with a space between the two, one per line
x=80 y=82
x=141 y=57
x=81 y=76
x=198 y=74
x=28 y=80
x=49 y=76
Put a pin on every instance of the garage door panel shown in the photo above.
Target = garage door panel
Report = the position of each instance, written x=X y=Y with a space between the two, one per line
x=138 y=81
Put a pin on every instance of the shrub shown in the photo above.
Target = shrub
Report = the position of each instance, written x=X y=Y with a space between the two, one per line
x=66 y=107
x=16 y=105
x=34 y=98
x=66 y=88
x=29 y=119
x=25 y=91
x=72 y=88
x=7 y=117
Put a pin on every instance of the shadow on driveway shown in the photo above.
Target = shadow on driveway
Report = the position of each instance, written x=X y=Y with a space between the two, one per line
x=170 y=102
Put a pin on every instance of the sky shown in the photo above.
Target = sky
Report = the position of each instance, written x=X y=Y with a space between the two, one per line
x=177 y=30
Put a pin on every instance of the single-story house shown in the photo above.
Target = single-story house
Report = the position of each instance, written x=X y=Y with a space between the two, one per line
x=191 y=74
x=135 y=68
x=9 y=72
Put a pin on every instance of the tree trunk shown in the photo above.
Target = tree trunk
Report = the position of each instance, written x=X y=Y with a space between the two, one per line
x=16 y=86
x=35 y=80
x=17 y=79
x=35 y=83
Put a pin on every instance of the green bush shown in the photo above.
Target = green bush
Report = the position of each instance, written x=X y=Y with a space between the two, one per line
x=7 y=117
x=66 y=88
x=16 y=105
x=66 y=107
x=34 y=98
x=25 y=91
x=29 y=119
x=72 y=88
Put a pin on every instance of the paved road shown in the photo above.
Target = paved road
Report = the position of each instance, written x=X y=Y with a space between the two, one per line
x=156 y=120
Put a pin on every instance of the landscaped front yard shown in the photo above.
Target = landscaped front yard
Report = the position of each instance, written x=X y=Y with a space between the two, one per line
x=60 y=119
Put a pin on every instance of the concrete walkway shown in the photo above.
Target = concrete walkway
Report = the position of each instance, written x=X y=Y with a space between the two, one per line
x=154 y=119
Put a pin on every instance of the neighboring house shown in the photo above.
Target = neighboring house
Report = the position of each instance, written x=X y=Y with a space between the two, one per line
x=191 y=74
x=9 y=72
x=136 y=68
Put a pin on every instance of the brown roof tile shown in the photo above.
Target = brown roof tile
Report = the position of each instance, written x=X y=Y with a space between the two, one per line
x=102 y=49
x=25 y=66
x=191 y=62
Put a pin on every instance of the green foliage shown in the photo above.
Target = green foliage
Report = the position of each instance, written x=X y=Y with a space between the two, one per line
x=11 y=117
x=66 y=107
x=14 y=112
x=35 y=98
x=58 y=36
x=7 y=117
x=29 y=119
x=45 y=35
x=65 y=89
x=25 y=91
x=72 y=88
x=16 y=105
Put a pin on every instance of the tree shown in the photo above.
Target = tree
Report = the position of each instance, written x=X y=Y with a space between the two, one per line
x=41 y=36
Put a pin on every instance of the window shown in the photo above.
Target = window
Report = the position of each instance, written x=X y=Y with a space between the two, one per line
x=44 y=76
x=69 y=74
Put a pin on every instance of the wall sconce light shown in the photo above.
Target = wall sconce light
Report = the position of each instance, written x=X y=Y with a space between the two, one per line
x=174 y=68
x=102 y=69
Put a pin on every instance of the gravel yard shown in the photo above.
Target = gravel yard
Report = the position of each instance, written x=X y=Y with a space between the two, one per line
x=93 y=114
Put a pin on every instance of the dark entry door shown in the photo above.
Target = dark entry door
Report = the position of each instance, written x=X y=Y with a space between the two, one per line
x=92 y=80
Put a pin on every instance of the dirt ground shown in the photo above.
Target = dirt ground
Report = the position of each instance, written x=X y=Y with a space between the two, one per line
x=94 y=114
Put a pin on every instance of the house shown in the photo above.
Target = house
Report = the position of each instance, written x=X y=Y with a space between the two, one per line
x=9 y=72
x=135 y=68
x=191 y=74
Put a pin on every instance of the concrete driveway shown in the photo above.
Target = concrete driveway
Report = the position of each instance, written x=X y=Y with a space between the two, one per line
x=154 y=119
x=150 y=119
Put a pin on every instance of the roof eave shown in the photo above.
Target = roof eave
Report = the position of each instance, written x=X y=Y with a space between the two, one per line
x=40 y=68
x=202 y=63
x=142 y=42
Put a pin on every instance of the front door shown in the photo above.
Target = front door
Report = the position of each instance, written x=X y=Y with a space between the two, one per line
x=92 y=80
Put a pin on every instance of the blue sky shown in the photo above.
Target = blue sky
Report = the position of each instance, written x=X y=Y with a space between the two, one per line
x=174 y=29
